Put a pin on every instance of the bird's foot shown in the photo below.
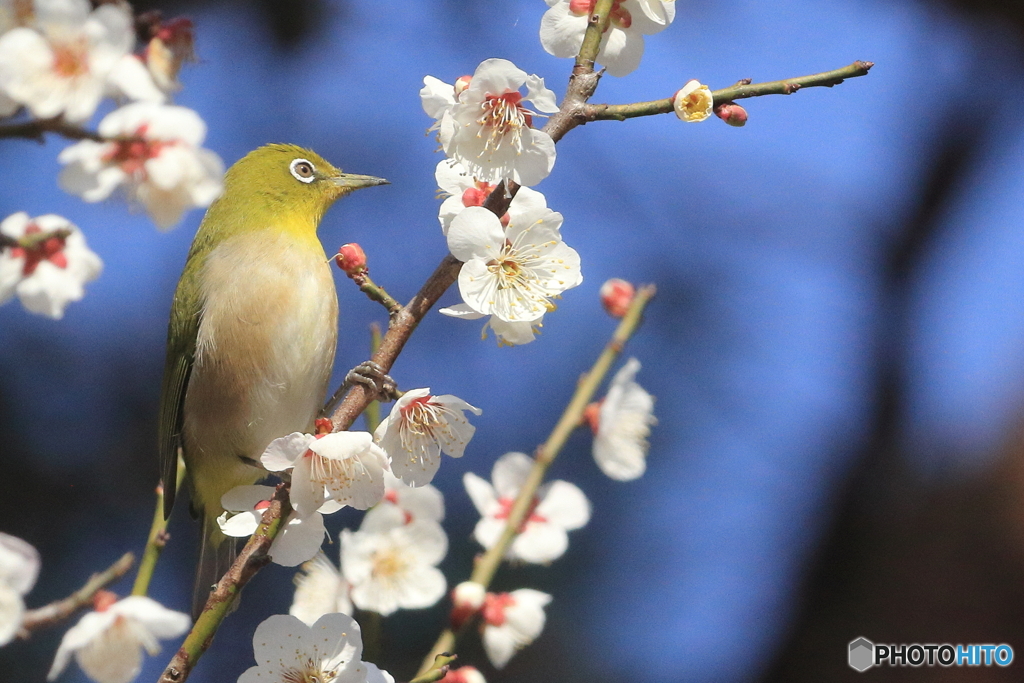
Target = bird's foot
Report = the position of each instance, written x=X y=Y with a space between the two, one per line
x=372 y=376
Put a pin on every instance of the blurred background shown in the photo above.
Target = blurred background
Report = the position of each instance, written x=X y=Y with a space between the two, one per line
x=837 y=345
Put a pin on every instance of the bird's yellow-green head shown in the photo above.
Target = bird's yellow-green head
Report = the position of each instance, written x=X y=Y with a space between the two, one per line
x=280 y=186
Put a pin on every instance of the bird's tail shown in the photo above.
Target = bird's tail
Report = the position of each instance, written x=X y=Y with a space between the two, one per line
x=217 y=553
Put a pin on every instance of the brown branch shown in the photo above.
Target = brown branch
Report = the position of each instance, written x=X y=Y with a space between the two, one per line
x=56 y=612
x=254 y=556
x=37 y=129
x=742 y=90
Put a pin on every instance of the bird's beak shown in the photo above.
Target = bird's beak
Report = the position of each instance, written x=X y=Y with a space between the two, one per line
x=351 y=181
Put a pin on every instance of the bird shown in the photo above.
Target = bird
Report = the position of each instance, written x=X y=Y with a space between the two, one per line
x=252 y=334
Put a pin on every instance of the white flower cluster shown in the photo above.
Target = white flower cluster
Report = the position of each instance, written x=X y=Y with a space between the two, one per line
x=332 y=470
x=108 y=641
x=58 y=60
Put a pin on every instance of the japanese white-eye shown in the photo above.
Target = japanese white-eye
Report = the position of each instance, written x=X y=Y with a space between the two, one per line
x=252 y=334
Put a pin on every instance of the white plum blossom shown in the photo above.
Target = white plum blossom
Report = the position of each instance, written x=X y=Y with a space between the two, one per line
x=622 y=46
x=461 y=190
x=45 y=274
x=19 y=567
x=511 y=622
x=492 y=132
x=60 y=63
x=156 y=157
x=415 y=502
x=558 y=507
x=345 y=466
x=392 y=564
x=319 y=589
x=693 y=102
x=329 y=651
x=108 y=642
x=623 y=424
x=512 y=273
x=507 y=333
x=298 y=540
x=420 y=427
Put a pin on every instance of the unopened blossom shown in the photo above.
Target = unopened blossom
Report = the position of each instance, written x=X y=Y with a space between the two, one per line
x=19 y=567
x=420 y=427
x=623 y=425
x=622 y=46
x=300 y=536
x=693 y=103
x=512 y=273
x=319 y=589
x=344 y=466
x=328 y=651
x=45 y=274
x=59 y=64
x=108 y=642
x=493 y=135
x=511 y=622
x=392 y=564
x=616 y=296
x=437 y=99
x=158 y=161
x=507 y=333
x=731 y=113
x=463 y=674
x=557 y=508
x=415 y=502
x=461 y=190
x=467 y=599
x=171 y=44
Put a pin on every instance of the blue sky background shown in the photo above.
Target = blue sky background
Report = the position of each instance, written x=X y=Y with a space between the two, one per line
x=768 y=244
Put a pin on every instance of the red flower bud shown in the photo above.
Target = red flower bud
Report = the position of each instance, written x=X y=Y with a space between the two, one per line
x=324 y=425
x=732 y=113
x=616 y=296
x=351 y=258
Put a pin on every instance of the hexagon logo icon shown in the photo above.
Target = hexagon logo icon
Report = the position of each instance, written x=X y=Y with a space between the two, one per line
x=862 y=654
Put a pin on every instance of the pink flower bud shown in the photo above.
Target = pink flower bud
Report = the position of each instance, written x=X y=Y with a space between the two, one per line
x=324 y=425
x=464 y=674
x=103 y=599
x=592 y=415
x=732 y=113
x=467 y=598
x=461 y=84
x=351 y=258
x=616 y=296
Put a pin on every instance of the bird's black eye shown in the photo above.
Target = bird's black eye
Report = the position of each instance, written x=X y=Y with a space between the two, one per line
x=303 y=170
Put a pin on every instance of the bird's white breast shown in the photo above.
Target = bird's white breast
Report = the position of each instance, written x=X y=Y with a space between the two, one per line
x=264 y=350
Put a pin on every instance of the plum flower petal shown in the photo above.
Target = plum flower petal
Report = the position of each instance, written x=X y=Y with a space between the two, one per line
x=693 y=102
x=559 y=507
x=19 y=567
x=59 y=65
x=298 y=540
x=460 y=190
x=420 y=427
x=625 y=419
x=159 y=161
x=622 y=46
x=108 y=644
x=494 y=137
x=330 y=650
x=48 y=271
x=392 y=564
x=319 y=589
x=511 y=622
x=512 y=273
x=507 y=334
x=415 y=502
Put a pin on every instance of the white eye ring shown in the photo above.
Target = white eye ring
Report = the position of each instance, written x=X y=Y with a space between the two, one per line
x=303 y=170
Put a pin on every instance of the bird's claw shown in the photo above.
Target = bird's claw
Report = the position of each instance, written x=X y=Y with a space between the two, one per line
x=372 y=376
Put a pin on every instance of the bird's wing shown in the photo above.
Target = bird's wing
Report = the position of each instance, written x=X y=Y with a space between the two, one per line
x=182 y=331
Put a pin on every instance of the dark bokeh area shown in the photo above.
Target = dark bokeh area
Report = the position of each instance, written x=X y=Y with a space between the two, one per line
x=837 y=346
